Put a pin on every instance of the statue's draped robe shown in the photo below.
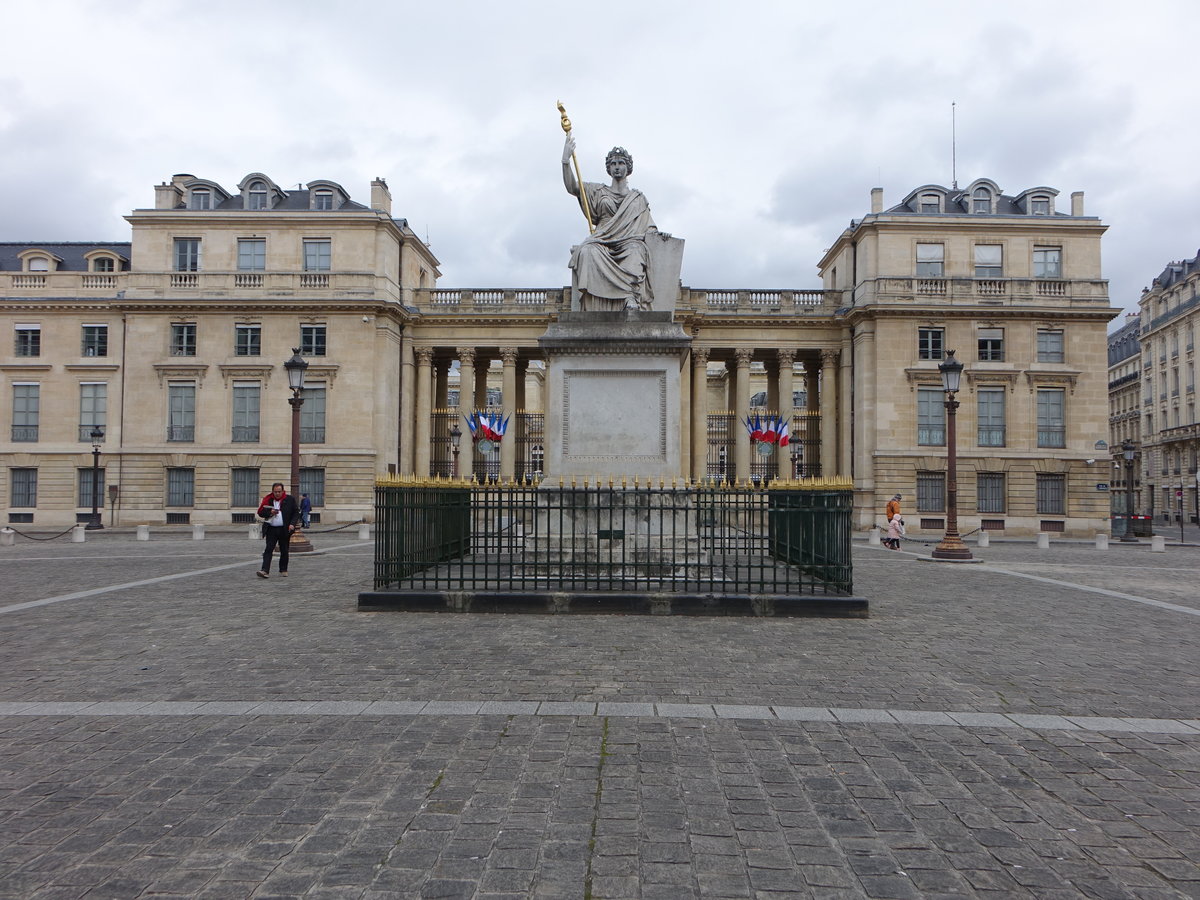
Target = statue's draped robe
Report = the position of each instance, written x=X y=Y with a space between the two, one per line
x=611 y=263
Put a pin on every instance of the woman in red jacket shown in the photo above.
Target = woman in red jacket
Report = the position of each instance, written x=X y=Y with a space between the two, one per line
x=280 y=516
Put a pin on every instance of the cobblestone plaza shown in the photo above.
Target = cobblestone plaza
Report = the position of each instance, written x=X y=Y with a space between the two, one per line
x=172 y=726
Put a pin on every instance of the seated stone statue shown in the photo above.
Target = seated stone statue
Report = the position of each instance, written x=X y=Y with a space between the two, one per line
x=610 y=266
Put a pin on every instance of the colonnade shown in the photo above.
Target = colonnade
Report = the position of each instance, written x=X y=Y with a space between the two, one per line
x=425 y=377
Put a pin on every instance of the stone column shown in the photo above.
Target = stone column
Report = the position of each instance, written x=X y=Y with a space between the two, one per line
x=829 y=412
x=685 y=419
x=482 y=364
x=466 y=390
x=424 y=402
x=741 y=406
x=441 y=384
x=787 y=359
x=699 y=412
x=408 y=417
x=508 y=407
x=845 y=372
x=773 y=401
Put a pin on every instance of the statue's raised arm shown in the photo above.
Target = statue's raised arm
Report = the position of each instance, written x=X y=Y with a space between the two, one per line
x=610 y=264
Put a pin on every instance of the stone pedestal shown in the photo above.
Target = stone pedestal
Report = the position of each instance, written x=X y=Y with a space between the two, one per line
x=612 y=395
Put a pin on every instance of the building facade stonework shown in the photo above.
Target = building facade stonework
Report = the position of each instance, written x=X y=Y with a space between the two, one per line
x=173 y=345
x=1170 y=319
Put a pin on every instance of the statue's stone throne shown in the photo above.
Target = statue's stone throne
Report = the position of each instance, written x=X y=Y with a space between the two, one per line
x=665 y=262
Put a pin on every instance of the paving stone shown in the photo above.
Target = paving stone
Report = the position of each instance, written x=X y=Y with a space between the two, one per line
x=803 y=714
x=624 y=709
x=685 y=710
x=862 y=715
x=559 y=708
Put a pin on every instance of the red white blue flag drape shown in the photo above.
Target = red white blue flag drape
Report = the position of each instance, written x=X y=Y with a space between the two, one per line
x=767 y=429
x=487 y=426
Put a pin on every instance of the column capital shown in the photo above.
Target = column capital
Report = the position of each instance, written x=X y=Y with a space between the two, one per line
x=699 y=356
x=466 y=356
x=786 y=357
x=508 y=355
x=424 y=356
x=743 y=355
x=830 y=357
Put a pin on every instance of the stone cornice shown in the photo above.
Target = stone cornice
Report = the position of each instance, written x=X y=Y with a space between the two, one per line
x=1042 y=379
x=229 y=372
x=181 y=370
x=91 y=367
x=18 y=368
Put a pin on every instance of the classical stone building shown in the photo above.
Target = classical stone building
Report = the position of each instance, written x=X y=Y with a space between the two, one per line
x=181 y=335
x=1013 y=285
x=1170 y=318
x=173 y=343
x=1125 y=411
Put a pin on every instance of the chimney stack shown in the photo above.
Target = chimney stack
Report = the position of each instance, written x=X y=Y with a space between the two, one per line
x=381 y=197
x=167 y=196
x=876 y=200
x=1077 y=203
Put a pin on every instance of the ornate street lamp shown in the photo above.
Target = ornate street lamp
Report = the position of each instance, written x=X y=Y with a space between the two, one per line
x=1128 y=451
x=97 y=435
x=455 y=440
x=952 y=546
x=295 y=368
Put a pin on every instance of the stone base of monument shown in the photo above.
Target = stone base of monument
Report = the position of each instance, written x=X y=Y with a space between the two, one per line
x=649 y=603
x=612 y=387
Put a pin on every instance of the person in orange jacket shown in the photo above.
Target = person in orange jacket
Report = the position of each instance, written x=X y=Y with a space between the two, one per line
x=281 y=515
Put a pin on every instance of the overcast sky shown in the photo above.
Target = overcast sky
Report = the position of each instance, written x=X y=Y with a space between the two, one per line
x=757 y=128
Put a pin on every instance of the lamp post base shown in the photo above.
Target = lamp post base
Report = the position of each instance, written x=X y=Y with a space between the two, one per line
x=951 y=548
x=299 y=543
x=93 y=525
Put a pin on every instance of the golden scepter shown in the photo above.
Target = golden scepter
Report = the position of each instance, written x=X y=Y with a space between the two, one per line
x=587 y=211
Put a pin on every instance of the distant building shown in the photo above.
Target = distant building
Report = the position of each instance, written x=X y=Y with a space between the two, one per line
x=1013 y=285
x=1170 y=318
x=1125 y=410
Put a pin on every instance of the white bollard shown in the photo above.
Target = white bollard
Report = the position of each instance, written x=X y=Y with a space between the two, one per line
x=1158 y=543
x=983 y=540
x=143 y=533
x=8 y=537
x=197 y=532
x=1043 y=541
x=77 y=535
x=364 y=531
x=253 y=533
x=873 y=539
x=1101 y=541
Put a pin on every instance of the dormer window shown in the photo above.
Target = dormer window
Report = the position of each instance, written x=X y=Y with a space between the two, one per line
x=323 y=200
x=1040 y=206
x=104 y=264
x=256 y=197
x=981 y=201
x=39 y=264
x=930 y=203
x=201 y=199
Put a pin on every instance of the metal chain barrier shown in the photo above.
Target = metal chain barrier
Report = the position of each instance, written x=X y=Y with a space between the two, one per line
x=332 y=530
x=53 y=537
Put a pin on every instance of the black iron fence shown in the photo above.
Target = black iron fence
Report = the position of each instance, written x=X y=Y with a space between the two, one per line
x=455 y=543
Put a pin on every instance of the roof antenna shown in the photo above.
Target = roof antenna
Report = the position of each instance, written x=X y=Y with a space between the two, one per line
x=953 y=148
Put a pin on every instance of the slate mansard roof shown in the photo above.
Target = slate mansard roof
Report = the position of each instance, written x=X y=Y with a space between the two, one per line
x=1178 y=271
x=73 y=254
x=956 y=201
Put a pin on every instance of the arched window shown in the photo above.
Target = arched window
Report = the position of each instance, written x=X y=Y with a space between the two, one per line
x=930 y=203
x=103 y=264
x=981 y=201
x=39 y=264
x=1040 y=205
x=201 y=199
x=256 y=197
x=323 y=199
